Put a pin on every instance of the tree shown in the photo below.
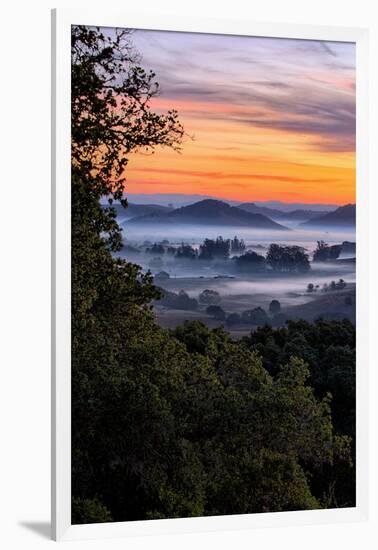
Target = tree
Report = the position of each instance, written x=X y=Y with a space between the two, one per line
x=328 y=348
x=237 y=245
x=186 y=252
x=274 y=307
x=287 y=258
x=217 y=312
x=111 y=117
x=218 y=248
x=156 y=249
x=110 y=107
x=210 y=297
x=324 y=252
x=250 y=261
x=256 y=316
x=178 y=301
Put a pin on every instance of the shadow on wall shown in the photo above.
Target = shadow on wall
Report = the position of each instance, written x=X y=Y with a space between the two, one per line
x=41 y=528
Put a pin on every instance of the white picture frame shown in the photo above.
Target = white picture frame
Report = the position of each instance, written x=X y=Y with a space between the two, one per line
x=61 y=269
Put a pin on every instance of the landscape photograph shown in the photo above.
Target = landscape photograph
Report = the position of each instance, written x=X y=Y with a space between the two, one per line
x=213 y=274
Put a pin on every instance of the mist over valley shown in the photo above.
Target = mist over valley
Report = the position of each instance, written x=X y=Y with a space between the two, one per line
x=172 y=243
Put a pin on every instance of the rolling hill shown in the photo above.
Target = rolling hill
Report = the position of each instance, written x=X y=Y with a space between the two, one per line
x=211 y=212
x=134 y=210
x=344 y=216
x=273 y=213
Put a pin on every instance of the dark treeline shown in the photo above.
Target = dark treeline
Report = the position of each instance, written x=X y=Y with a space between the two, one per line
x=185 y=422
x=285 y=258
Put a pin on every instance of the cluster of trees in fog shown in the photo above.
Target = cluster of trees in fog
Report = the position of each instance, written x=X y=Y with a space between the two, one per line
x=278 y=258
x=332 y=286
x=210 y=249
x=212 y=299
x=325 y=252
x=184 y=422
x=289 y=259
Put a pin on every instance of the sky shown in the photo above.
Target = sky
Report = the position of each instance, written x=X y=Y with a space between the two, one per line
x=264 y=118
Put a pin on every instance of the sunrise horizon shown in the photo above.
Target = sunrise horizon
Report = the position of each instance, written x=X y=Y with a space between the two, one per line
x=264 y=118
x=233 y=199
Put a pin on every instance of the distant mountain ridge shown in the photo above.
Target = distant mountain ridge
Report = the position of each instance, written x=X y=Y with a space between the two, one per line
x=295 y=215
x=133 y=210
x=180 y=199
x=342 y=216
x=291 y=206
x=211 y=212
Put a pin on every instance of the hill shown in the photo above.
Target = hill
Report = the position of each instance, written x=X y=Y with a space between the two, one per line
x=342 y=216
x=252 y=208
x=330 y=305
x=295 y=215
x=133 y=210
x=211 y=212
x=291 y=206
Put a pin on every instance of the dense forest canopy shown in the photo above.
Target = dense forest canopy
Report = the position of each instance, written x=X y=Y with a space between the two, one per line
x=186 y=422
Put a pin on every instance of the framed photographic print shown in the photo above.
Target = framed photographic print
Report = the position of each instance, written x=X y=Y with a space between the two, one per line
x=209 y=274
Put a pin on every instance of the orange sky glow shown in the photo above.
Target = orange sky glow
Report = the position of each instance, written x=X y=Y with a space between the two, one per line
x=265 y=119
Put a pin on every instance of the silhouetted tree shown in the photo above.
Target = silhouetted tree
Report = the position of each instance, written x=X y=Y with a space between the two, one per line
x=218 y=248
x=156 y=248
x=287 y=258
x=274 y=307
x=237 y=245
x=250 y=261
x=186 y=252
x=256 y=316
x=217 y=312
x=210 y=297
x=324 y=252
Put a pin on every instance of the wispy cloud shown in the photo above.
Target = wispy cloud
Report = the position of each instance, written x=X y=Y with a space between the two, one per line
x=246 y=99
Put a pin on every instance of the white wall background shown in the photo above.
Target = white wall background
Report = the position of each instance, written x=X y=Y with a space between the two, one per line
x=25 y=273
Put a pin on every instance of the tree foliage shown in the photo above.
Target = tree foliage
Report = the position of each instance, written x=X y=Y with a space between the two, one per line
x=215 y=248
x=250 y=261
x=288 y=258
